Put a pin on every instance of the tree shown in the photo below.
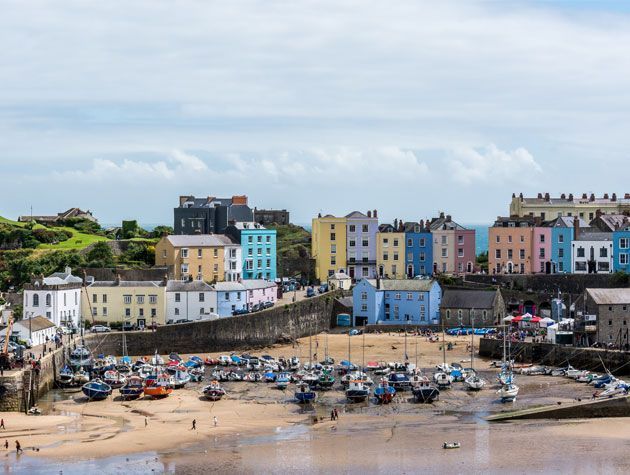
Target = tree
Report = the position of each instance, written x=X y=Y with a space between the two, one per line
x=100 y=255
x=158 y=231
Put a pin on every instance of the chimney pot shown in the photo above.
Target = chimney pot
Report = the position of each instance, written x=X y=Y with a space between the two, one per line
x=570 y=196
x=606 y=196
x=614 y=197
x=592 y=198
x=626 y=196
x=540 y=196
x=520 y=196
x=375 y=214
x=513 y=195
x=369 y=214
x=584 y=196
x=547 y=197
x=563 y=196
x=441 y=214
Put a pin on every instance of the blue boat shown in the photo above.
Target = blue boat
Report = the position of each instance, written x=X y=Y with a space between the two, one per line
x=304 y=394
x=399 y=381
x=236 y=360
x=66 y=376
x=384 y=393
x=603 y=381
x=96 y=390
x=270 y=377
x=133 y=389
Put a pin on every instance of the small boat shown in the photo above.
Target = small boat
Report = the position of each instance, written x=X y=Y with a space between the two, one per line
x=225 y=360
x=211 y=361
x=66 y=376
x=451 y=445
x=133 y=388
x=158 y=386
x=196 y=375
x=304 y=394
x=602 y=380
x=253 y=377
x=474 y=382
x=114 y=378
x=123 y=368
x=96 y=390
x=214 y=391
x=270 y=377
x=326 y=381
x=399 y=381
x=310 y=378
x=425 y=392
x=157 y=360
x=442 y=379
x=179 y=379
x=283 y=380
x=357 y=391
x=81 y=376
x=81 y=357
x=174 y=357
x=508 y=392
x=384 y=393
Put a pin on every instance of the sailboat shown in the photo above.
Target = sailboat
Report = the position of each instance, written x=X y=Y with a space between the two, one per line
x=304 y=394
x=473 y=382
x=509 y=390
x=357 y=391
x=443 y=378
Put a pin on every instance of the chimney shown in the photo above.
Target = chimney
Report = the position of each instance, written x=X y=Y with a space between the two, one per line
x=239 y=200
x=614 y=197
x=369 y=214
x=592 y=197
x=375 y=214
x=401 y=225
x=563 y=196
x=540 y=196
x=182 y=200
x=117 y=281
x=584 y=196
x=395 y=224
x=319 y=215
x=513 y=195
x=448 y=218
x=576 y=227
x=422 y=224
x=570 y=196
x=626 y=196
x=378 y=282
x=547 y=197
x=520 y=196
x=598 y=213
x=165 y=280
x=606 y=196
x=441 y=214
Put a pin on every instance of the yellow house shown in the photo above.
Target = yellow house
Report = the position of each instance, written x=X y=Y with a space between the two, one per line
x=390 y=252
x=141 y=303
x=328 y=246
x=207 y=257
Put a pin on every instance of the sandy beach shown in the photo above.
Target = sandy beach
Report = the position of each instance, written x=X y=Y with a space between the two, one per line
x=261 y=429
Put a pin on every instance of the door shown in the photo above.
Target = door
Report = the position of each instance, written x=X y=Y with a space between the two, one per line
x=351 y=272
x=142 y=323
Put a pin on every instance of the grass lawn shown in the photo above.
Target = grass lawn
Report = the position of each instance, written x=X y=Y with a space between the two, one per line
x=11 y=222
x=78 y=241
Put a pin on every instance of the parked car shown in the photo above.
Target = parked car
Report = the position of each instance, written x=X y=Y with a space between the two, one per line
x=310 y=292
x=268 y=304
x=323 y=288
x=100 y=329
x=182 y=320
x=64 y=330
x=256 y=307
x=128 y=326
x=240 y=311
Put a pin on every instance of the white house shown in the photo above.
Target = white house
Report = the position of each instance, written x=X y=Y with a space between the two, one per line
x=192 y=301
x=339 y=280
x=233 y=262
x=36 y=328
x=592 y=252
x=56 y=297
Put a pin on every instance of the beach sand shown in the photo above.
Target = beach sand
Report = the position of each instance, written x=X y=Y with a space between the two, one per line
x=261 y=429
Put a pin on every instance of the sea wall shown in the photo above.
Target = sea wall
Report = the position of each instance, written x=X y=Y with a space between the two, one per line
x=278 y=324
x=550 y=283
x=592 y=359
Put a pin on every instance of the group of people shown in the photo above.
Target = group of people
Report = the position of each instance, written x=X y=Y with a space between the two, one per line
x=334 y=414
x=194 y=423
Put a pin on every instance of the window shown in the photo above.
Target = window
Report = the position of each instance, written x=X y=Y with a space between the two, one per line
x=580 y=266
x=333 y=260
x=202 y=297
x=227 y=296
x=541 y=253
x=164 y=253
x=623 y=258
x=365 y=271
x=444 y=240
x=603 y=252
x=333 y=248
x=365 y=243
x=176 y=312
x=94 y=310
x=610 y=323
x=352 y=243
x=364 y=307
x=35 y=300
x=580 y=252
x=104 y=311
x=397 y=296
x=624 y=243
x=140 y=299
x=460 y=252
x=153 y=299
x=444 y=252
x=352 y=228
x=250 y=239
x=364 y=228
x=333 y=237
x=250 y=252
x=141 y=312
x=127 y=299
x=238 y=295
x=460 y=239
x=395 y=256
x=409 y=296
x=199 y=253
x=385 y=256
x=422 y=257
x=497 y=253
x=561 y=238
x=184 y=268
x=510 y=239
x=268 y=262
x=498 y=239
x=509 y=254
x=542 y=238
x=259 y=238
x=363 y=295
x=127 y=312
x=259 y=262
x=215 y=268
x=249 y=264
x=215 y=253
x=153 y=313
x=460 y=267
x=395 y=242
x=522 y=238
x=268 y=239
x=409 y=242
x=94 y=298
x=422 y=242
x=184 y=253
x=259 y=251
x=396 y=312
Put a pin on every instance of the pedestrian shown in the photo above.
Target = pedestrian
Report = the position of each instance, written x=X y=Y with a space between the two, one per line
x=336 y=414
x=6 y=444
x=194 y=425
x=332 y=414
x=216 y=421
x=18 y=447
x=2 y=424
x=146 y=422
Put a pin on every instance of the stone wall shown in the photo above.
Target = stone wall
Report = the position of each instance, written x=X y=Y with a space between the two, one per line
x=11 y=392
x=568 y=283
x=592 y=359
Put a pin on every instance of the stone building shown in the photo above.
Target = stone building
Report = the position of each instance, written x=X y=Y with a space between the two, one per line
x=585 y=206
x=486 y=307
x=210 y=214
x=271 y=216
x=605 y=317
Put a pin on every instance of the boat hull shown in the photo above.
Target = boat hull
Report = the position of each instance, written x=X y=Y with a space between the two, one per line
x=157 y=391
x=426 y=394
x=357 y=395
x=131 y=393
x=96 y=392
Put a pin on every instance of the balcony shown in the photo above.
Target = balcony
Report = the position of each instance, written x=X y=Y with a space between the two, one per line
x=359 y=262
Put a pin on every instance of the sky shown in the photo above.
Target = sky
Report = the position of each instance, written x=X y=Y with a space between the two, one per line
x=408 y=107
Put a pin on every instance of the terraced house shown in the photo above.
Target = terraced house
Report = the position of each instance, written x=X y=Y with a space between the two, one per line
x=418 y=249
x=328 y=246
x=453 y=246
x=207 y=257
x=361 y=244
x=258 y=245
x=390 y=251
x=621 y=249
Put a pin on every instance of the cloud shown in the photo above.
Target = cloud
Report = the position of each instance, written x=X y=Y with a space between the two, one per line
x=471 y=166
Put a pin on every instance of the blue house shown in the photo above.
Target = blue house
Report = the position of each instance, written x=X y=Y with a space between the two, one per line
x=562 y=232
x=621 y=250
x=391 y=301
x=418 y=250
x=231 y=296
x=259 y=249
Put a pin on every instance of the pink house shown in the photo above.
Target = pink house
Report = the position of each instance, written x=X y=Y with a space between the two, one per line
x=541 y=250
x=259 y=292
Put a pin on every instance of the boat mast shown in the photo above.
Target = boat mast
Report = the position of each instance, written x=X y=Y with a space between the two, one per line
x=472 y=339
x=349 y=361
x=310 y=351
x=405 y=355
x=363 y=363
x=416 y=351
x=504 y=332
x=443 y=344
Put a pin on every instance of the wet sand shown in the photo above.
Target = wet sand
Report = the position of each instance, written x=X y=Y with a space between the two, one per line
x=262 y=430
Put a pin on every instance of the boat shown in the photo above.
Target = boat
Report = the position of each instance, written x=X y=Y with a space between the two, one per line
x=96 y=390
x=133 y=388
x=158 y=386
x=174 y=357
x=384 y=393
x=326 y=380
x=399 y=381
x=114 y=378
x=81 y=376
x=357 y=391
x=196 y=375
x=304 y=394
x=225 y=360
x=443 y=380
x=179 y=379
x=214 y=391
x=270 y=377
x=425 y=392
x=81 y=357
x=157 y=360
x=472 y=381
x=451 y=445
x=283 y=380
x=508 y=392
x=66 y=376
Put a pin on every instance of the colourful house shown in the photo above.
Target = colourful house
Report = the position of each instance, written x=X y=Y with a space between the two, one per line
x=397 y=302
x=361 y=232
x=562 y=230
x=328 y=246
x=418 y=249
x=390 y=251
x=231 y=297
x=453 y=246
x=621 y=250
x=258 y=246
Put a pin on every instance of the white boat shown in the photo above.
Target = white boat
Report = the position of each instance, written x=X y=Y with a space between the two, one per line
x=571 y=372
x=81 y=376
x=508 y=392
x=157 y=360
x=443 y=380
x=474 y=382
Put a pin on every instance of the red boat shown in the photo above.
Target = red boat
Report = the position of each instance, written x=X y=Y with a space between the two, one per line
x=158 y=386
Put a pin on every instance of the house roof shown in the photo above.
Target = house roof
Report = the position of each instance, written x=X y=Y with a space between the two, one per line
x=445 y=223
x=193 y=286
x=253 y=284
x=594 y=236
x=610 y=296
x=200 y=240
x=458 y=298
x=126 y=283
x=339 y=276
x=356 y=214
x=346 y=301
x=252 y=226
x=229 y=286
x=411 y=285
x=566 y=222
x=610 y=222
x=36 y=324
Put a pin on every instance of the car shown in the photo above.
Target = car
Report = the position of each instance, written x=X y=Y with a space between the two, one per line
x=267 y=304
x=310 y=292
x=240 y=311
x=182 y=320
x=170 y=321
x=256 y=307
x=128 y=326
x=100 y=329
x=64 y=330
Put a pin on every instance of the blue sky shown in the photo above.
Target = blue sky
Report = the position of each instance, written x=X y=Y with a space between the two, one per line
x=407 y=107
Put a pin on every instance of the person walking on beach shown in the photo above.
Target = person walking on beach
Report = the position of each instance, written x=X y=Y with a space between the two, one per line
x=2 y=424
x=194 y=425
x=6 y=444
x=18 y=447
x=336 y=414
x=215 y=420
x=146 y=422
x=332 y=414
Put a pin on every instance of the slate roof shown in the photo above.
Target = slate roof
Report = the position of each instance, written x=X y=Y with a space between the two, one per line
x=200 y=240
x=442 y=223
x=410 y=285
x=253 y=284
x=594 y=236
x=229 y=286
x=339 y=276
x=125 y=283
x=457 y=298
x=346 y=301
x=36 y=324
x=194 y=286
x=610 y=222
x=610 y=296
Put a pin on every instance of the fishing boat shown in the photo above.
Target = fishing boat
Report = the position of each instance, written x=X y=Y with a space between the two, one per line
x=283 y=380
x=157 y=360
x=114 y=378
x=425 y=392
x=270 y=377
x=384 y=393
x=304 y=394
x=196 y=375
x=443 y=380
x=473 y=382
x=326 y=380
x=225 y=360
x=214 y=391
x=133 y=388
x=399 y=381
x=158 y=386
x=96 y=390
x=508 y=392
x=357 y=391
x=174 y=357
x=66 y=376
x=81 y=357
x=179 y=379
x=81 y=376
